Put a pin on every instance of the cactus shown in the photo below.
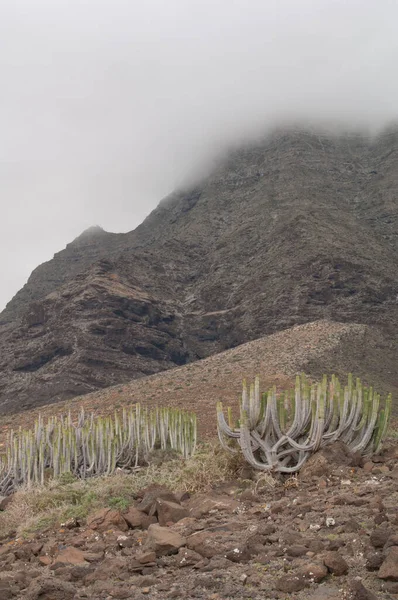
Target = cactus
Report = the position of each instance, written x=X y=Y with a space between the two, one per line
x=93 y=445
x=279 y=433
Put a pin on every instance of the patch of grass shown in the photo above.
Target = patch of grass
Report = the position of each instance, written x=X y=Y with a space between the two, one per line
x=39 y=508
x=119 y=502
x=393 y=433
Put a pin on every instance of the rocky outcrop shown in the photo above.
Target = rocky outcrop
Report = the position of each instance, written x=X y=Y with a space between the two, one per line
x=300 y=227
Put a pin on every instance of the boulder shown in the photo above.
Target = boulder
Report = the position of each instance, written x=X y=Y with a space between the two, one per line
x=288 y=584
x=68 y=556
x=106 y=519
x=187 y=557
x=151 y=495
x=203 y=504
x=335 y=563
x=389 y=567
x=313 y=572
x=136 y=518
x=379 y=537
x=163 y=540
x=169 y=512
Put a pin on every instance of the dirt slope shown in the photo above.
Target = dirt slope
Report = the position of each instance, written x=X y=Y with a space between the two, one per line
x=314 y=348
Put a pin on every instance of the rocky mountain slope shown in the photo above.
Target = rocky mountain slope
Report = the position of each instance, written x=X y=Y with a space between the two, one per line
x=315 y=348
x=297 y=228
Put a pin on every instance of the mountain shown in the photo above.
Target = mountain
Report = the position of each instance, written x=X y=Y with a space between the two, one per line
x=299 y=227
x=314 y=348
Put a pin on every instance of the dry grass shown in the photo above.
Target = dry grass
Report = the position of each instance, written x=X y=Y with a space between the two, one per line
x=40 y=508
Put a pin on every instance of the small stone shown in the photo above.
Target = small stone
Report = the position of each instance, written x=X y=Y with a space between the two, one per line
x=335 y=563
x=107 y=519
x=314 y=572
x=368 y=466
x=187 y=557
x=296 y=550
x=169 y=512
x=289 y=584
x=379 y=537
x=145 y=557
x=389 y=567
x=163 y=540
x=374 y=561
x=357 y=591
x=138 y=519
x=68 y=556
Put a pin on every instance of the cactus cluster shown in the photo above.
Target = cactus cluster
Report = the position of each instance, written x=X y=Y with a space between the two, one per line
x=93 y=445
x=278 y=432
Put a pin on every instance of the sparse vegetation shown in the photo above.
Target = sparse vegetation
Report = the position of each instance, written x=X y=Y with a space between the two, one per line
x=279 y=432
x=93 y=446
x=40 y=507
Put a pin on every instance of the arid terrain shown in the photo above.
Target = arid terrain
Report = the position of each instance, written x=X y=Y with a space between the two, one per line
x=314 y=348
x=298 y=228
x=329 y=534
x=283 y=260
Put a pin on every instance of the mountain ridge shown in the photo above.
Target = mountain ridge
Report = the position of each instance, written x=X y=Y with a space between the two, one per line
x=297 y=228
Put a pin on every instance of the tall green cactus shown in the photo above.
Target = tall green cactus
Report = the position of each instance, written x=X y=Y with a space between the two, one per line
x=93 y=445
x=278 y=433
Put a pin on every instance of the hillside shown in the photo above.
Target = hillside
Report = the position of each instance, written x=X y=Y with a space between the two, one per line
x=316 y=348
x=298 y=228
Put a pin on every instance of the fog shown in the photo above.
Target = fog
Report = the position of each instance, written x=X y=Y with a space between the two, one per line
x=106 y=106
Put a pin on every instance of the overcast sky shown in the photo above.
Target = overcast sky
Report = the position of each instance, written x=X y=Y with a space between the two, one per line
x=107 y=105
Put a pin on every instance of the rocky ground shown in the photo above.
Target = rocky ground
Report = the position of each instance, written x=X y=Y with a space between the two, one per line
x=331 y=533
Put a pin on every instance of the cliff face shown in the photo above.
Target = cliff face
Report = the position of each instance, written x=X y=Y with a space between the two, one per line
x=298 y=228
